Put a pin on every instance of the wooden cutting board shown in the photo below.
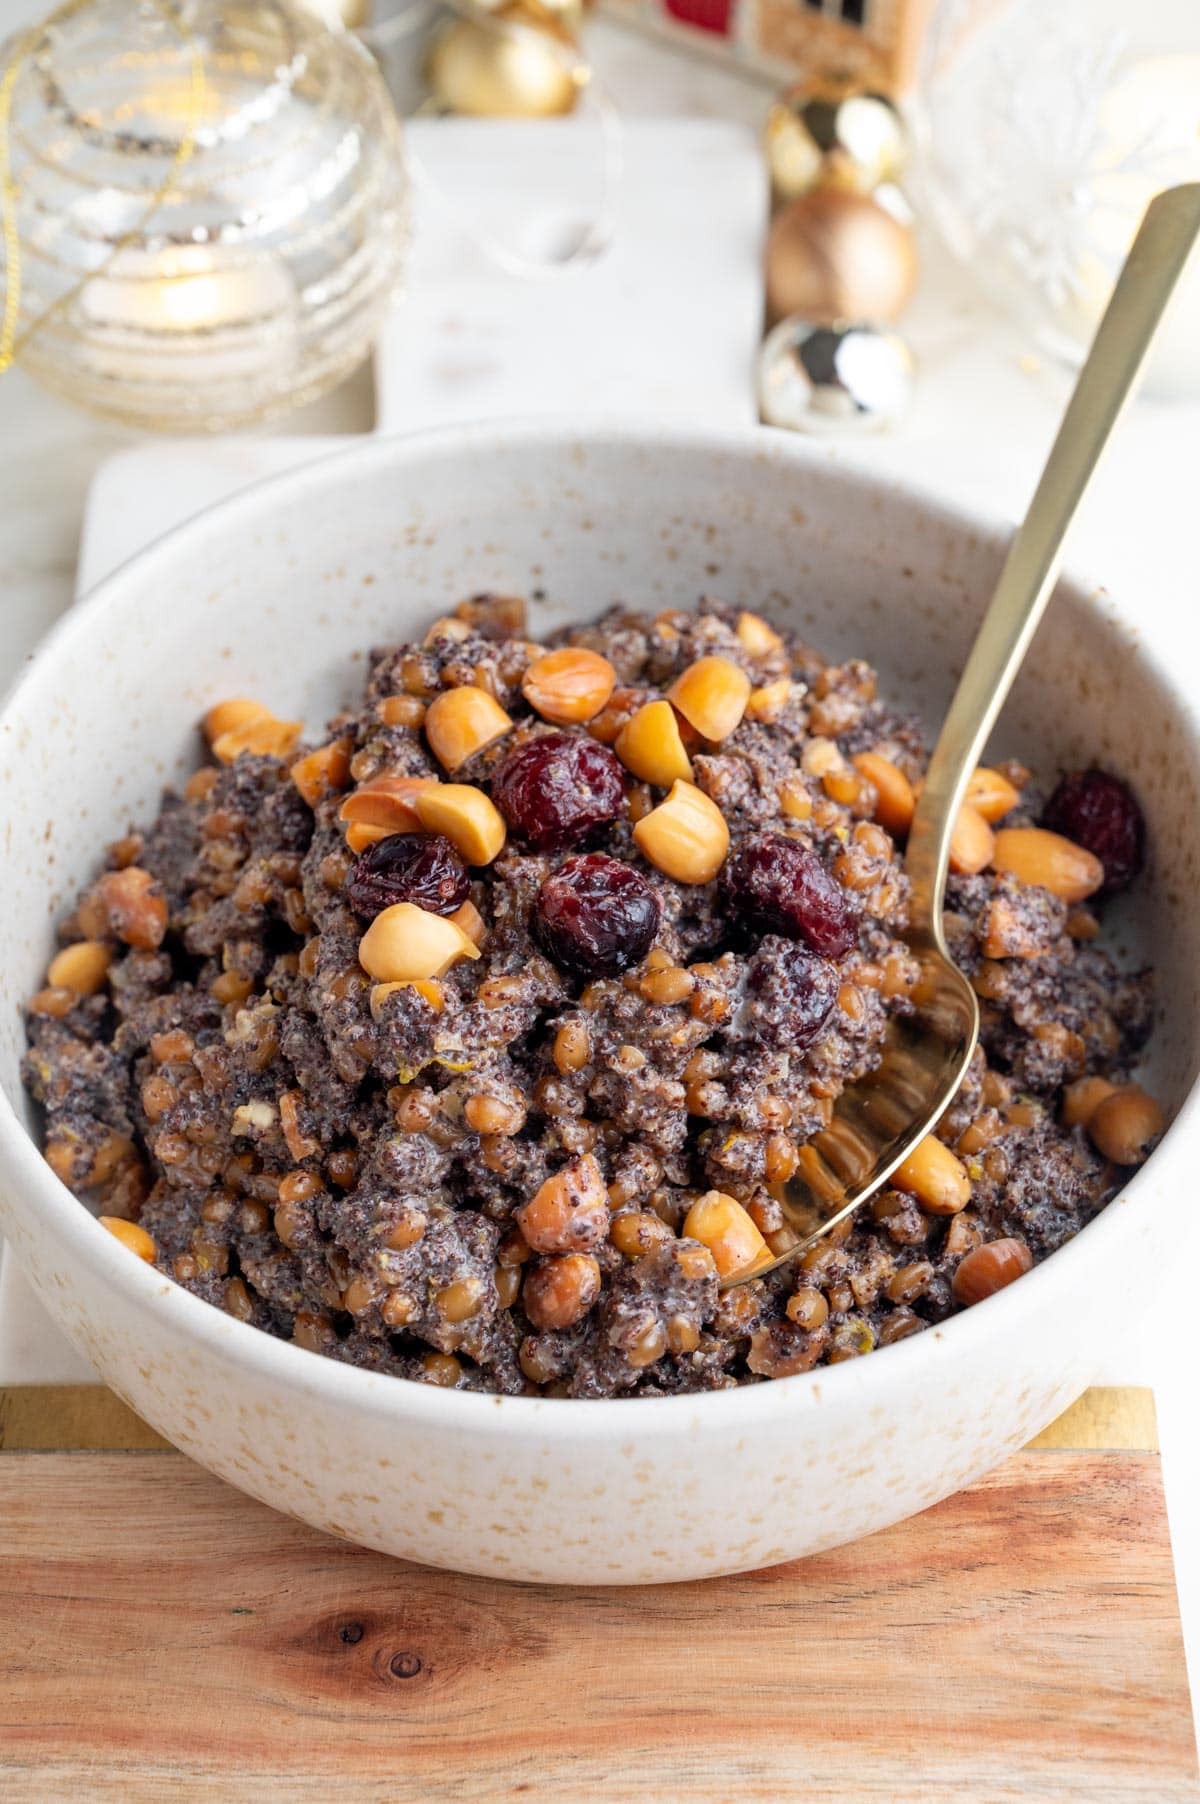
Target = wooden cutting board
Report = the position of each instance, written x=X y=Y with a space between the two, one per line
x=164 y=1638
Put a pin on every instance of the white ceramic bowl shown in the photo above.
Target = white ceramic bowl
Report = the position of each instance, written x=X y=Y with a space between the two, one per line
x=277 y=594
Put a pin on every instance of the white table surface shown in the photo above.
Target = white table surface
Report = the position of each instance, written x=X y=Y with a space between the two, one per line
x=984 y=415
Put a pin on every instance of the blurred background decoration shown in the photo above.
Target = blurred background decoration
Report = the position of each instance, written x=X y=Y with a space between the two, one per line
x=1044 y=131
x=841 y=258
x=204 y=207
x=520 y=60
x=836 y=131
x=874 y=42
x=837 y=255
x=836 y=379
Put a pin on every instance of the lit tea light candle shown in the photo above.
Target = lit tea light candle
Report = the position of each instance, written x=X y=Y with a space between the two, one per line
x=241 y=316
x=187 y=290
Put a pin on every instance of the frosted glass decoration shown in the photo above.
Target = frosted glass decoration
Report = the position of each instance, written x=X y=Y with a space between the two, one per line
x=211 y=208
x=1043 y=132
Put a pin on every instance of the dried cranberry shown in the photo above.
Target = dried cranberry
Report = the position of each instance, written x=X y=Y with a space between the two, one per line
x=778 y=885
x=596 y=916
x=408 y=867
x=557 y=789
x=1099 y=813
x=792 y=992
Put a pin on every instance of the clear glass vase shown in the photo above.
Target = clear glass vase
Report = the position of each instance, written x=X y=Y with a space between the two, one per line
x=211 y=208
x=1043 y=133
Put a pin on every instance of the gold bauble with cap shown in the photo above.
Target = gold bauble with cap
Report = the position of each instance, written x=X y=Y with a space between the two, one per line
x=838 y=132
x=516 y=61
x=834 y=255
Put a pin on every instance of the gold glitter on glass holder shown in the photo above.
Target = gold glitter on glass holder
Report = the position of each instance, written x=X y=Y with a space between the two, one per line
x=206 y=208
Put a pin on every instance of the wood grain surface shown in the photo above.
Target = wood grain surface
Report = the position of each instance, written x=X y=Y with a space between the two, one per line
x=41 y=1418
x=163 y=1638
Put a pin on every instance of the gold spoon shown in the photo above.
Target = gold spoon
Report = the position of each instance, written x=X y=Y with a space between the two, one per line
x=878 y=1121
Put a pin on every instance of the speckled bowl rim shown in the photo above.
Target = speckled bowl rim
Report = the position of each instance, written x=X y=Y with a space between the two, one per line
x=920 y=1359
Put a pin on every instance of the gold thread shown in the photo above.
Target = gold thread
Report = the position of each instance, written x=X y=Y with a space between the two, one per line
x=8 y=207
x=10 y=344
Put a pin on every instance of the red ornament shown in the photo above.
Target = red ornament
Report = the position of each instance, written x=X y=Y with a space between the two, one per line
x=705 y=15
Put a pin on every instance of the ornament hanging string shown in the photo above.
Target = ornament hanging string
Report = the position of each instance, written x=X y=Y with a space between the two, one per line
x=11 y=339
x=593 y=238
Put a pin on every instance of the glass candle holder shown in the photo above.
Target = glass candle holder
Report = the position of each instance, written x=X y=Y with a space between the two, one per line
x=1044 y=133
x=210 y=204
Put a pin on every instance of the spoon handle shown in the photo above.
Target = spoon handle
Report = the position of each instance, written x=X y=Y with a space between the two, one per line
x=1160 y=252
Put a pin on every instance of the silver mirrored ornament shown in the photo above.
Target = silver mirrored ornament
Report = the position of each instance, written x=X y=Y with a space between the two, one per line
x=833 y=379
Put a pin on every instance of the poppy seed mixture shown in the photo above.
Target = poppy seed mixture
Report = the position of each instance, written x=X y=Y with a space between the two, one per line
x=473 y=1039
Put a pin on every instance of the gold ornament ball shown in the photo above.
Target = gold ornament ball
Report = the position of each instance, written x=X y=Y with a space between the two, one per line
x=838 y=256
x=513 y=65
x=838 y=134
